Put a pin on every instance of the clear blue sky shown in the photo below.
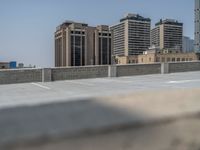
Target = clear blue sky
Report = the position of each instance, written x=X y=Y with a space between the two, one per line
x=27 y=26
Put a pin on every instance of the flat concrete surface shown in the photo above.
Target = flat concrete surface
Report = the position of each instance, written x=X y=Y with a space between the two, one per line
x=178 y=135
x=13 y=95
x=127 y=113
x=160 y=119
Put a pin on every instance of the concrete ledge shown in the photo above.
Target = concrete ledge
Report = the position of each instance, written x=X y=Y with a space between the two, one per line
x=138 y=69
x=153 y=120
x=164 y=68
x=71 y=73
x=184 y=66
x=112 y=71
x=11 y=76
x=85 y=72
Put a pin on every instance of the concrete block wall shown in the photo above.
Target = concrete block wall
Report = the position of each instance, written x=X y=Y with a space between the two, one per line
x=20 y=76
x=184 y=66
x=85 y=72
x=138 y=69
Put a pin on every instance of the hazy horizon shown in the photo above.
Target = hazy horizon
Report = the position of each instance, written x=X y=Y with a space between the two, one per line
x=27 y=26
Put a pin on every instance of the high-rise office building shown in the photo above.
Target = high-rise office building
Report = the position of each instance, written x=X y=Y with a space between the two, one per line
x=197 y=26
x=131 y=36
x=188 y=44
x=77 y=44
x=167 y=34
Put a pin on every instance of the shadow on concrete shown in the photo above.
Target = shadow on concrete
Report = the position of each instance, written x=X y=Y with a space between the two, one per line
x=91 y=125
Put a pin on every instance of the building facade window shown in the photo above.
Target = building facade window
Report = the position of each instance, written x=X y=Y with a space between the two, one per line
x=150 y=59
x=100 y=51
x=183 y=59
x=105 y=51
x=83 y=50
x=157 y=59
x=110 y=51
x=77 y=50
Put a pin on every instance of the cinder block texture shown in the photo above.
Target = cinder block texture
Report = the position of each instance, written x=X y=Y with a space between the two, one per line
x=184 y=67
x=79 y=72
x=20 y=76
x=139 y=69
x=84 y=72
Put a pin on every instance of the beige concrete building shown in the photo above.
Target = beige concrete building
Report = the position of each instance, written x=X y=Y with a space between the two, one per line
x=123 y=60
x=167 y=34
x=131 y=36
x=77 y=44
x=153 y=55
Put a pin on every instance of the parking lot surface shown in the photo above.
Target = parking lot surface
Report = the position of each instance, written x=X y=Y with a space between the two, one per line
x=12 y=95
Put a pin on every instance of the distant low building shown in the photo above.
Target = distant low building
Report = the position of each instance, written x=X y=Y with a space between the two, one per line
x=132 y=59
x=157 y=55
x=13 y=64
x=8 y=65
x=167 y=56
x=20 y=65
x=4 y=65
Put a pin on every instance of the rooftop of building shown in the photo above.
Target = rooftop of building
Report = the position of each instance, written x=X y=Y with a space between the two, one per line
x=3 y=62
x=134 y=17
x=169 y=22
x=71 y=23
x=68 y=23
x=103 y=27
x=141 y=103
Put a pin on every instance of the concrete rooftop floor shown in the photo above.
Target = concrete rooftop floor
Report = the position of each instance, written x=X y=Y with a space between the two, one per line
x=13 y=95
x=95 y=113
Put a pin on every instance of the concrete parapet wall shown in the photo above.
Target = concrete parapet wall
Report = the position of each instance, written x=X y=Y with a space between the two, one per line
x=79 y=72
x=184 y=66
x=139 y=69
x=20 y=76
x=84 y=72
